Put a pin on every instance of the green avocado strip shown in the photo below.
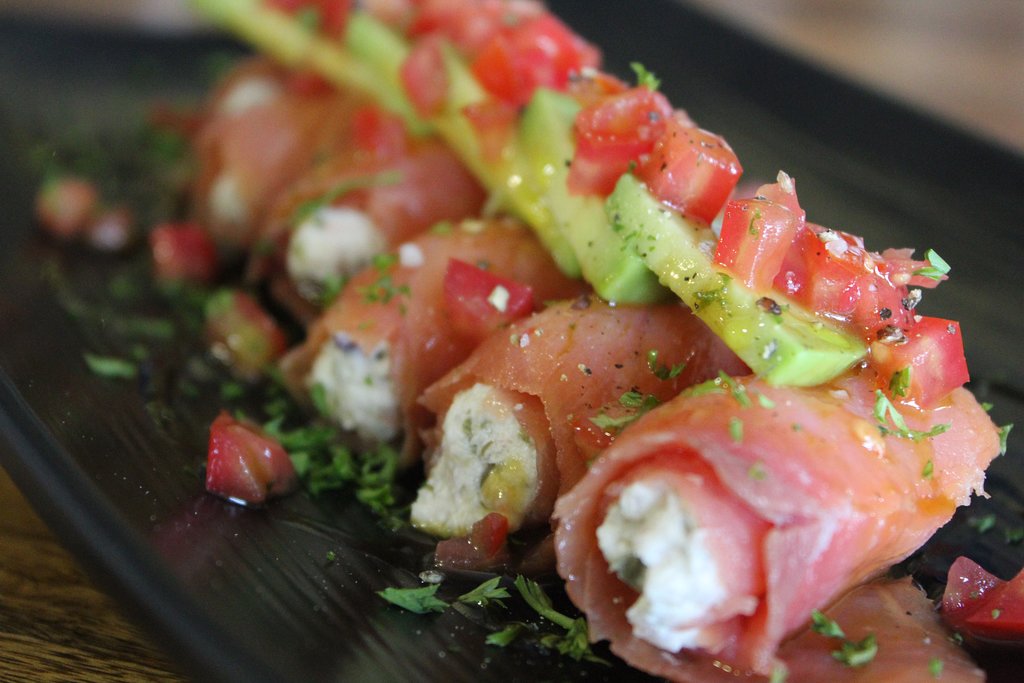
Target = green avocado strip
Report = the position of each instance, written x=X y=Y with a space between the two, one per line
x=780 y=340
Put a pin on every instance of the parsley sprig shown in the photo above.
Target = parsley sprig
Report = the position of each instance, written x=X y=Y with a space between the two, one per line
x=937 y=268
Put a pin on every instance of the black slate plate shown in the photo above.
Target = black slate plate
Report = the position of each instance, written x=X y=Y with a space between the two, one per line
x=251 y=595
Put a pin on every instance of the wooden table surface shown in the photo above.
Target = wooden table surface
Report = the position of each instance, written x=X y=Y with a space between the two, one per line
x=961 y=59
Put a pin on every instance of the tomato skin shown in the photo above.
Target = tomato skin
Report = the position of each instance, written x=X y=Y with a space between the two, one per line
x=537 y=52
x=983 y=607
x=474 y=310
x=933 y=350
x=424 y=77
x=756 y=235
x=242 y=334
x=470 y=24
x=691 y=170
x=183 y=252
x=613 y=133
x=484 y=548
x=245 y=465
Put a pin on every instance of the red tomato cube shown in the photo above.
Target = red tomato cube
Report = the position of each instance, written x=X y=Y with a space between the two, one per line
x=241 y=334
x=479 y=302
x=613 y=133
x=245 y=465
x=424 y=77
x=691 y=170
x=183 y=252
x=933 y=352
x=756 y=234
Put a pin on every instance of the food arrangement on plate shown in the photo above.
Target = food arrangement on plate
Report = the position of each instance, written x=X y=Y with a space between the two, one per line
x=544 y=287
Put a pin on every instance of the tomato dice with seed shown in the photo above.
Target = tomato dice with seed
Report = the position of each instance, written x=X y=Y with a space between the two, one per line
x=691 y=170
x=931 y=352
x=245 y=465
x=424 y=77
x=534 y=53
x=756 y=234
x=183 y=252
x=242 y=334
x=613 y=133
x=479 y=302
x=983 y=607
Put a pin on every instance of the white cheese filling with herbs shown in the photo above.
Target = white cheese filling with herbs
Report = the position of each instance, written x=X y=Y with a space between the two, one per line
x=654 y=544
x=357 y=388
x=254 y=91
x=334 y=242
x=487 y=463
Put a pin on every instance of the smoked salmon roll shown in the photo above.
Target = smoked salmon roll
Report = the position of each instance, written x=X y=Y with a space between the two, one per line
x=714 y=526
x=327 y=225
x=400 y=324
x=519 y=421
x=263 y=128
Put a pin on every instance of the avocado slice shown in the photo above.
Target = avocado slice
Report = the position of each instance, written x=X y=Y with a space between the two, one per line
x=779 y=339
x=547 y=146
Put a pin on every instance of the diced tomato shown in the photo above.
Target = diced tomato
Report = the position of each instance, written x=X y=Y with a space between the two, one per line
x=595 y=86
x=245 y=465
x=830 y=272
x=691 y=170
x=756 y=234
x=424 y=76
x=494 y=123
x=538 y=52
x=484 y=548
x=183 y=251
x=328 y=17
x=933 y=353
x=614 y=133
x=983 y=607
x=470 y=24
x=242 y=334
x=379 y=133
x=307 y=83
x=480 y=302
x=65 y=205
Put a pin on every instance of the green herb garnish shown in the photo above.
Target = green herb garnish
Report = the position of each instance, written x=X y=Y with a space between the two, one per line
x=110 y=366
x=419 y=600
x=936 y=269
x=645 y=78
x=574 y=642
x=885 y=411
x=487 y=592
x=661 y=371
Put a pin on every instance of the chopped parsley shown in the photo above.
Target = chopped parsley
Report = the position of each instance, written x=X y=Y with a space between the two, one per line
x=110 y=366
x=487 y=592
x=1004 y=433
x=660 y=370
x=935 y=667
x=739 y=392
x=936 y=269
x=928 y=470
x=900 y=382
x=736 y=429
x=851 y=653
x=421 y=600
x=638 y=403
x=885 y=412
x=982 y=523
x=645 y=78
x=505 y=636
x=574 y=642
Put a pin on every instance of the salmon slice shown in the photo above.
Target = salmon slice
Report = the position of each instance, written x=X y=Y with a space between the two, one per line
x=829 y=501
x=395 y=311
x=573 y=375
x=259 y=134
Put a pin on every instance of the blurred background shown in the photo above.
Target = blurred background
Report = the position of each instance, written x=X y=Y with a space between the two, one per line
x=961 y=60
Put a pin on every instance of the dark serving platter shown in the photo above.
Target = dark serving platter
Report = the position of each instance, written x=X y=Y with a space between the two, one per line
x=286 y=593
